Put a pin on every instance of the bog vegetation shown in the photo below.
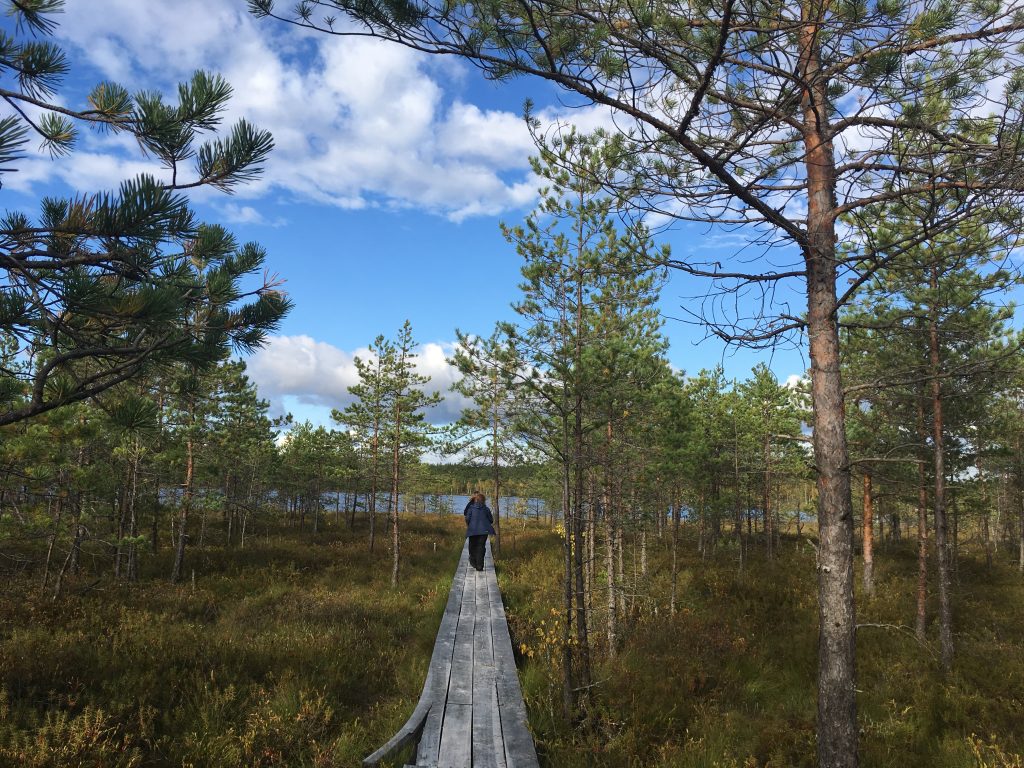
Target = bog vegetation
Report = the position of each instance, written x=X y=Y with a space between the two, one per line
x=699 y=571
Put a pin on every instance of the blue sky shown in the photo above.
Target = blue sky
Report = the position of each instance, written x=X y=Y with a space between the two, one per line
x=382 y=200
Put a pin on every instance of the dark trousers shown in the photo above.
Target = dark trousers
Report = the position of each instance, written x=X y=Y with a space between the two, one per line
x=476 y=551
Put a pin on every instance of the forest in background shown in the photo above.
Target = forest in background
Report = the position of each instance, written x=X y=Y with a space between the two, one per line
x=152 y=513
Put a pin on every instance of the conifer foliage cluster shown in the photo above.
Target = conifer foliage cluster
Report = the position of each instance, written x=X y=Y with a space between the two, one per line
x=100 y=287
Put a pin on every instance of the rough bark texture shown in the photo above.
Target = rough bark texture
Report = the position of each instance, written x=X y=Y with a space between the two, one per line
x=837 y=704
x=643 y=550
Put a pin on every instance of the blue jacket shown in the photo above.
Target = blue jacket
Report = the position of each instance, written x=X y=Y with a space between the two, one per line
x=479 y=521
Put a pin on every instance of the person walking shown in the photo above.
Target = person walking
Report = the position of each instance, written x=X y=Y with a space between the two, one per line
x=479 y=524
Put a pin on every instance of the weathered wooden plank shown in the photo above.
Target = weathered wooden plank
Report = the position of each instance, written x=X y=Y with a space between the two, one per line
x=456 y=737
x=472 y=713
x=483 y=648
x=520 y=751
x=460 y=687
x=488 y=748
x=441 y=664
x=438 y=672
x=498 y=741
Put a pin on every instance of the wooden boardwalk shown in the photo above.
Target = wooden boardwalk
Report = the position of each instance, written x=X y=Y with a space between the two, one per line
x=471 y=712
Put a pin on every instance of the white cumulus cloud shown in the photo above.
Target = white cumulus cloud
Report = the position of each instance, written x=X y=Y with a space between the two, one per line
x=357 y=122
x=319 y=373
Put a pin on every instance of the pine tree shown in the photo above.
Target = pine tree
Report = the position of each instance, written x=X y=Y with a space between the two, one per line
x=486 y=431
x=776 y=420
x=389 y=416
x=408 y=426
x=935 y=334
x=243 y=437
x=576 y=268
x=367 y=418
x=99 y=287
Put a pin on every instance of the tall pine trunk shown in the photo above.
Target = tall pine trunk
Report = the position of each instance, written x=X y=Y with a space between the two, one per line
x=133 y=519
x=922 y=531
x=374 y=458
x=496 y=465
x=568 y=678
x=609 y=536
x=674 y=510
x=186 y=503
x=837 y=703
x=396 y=451
x=582 y=638
x=939 y=500
x=869 y=535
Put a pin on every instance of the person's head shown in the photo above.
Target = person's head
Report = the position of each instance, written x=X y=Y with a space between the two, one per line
x=479 y=498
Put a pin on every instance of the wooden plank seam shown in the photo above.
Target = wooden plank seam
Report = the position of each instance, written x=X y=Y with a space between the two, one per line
x=471 y=713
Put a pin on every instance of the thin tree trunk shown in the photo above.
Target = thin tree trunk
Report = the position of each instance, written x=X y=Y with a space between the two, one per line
x=837 y=704
x=609 y=564
x=568 y=678
x=922 y=533
x=674 y=508
x=643 y=550
x=590 y=567
x=583 y=641
x=986 y=534
x=395 y=458
x=133 y=520
x=869 y=535
x=496 y=467
x=769 y=523
x=620 y=569
x=1020 y=536
x=954 y=561
x=52 y=540
x=122 y=520
x=154 y=530
x=738 y=506
x=186 y=503
x=76 y=522
x=372 y=509
x=202 y=527
x=939 y=500
x=609 y=536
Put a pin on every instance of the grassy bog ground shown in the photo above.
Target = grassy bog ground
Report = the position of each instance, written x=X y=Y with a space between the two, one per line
x=730 y=679
x=296 y=652
x=292 y=652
